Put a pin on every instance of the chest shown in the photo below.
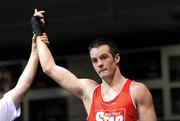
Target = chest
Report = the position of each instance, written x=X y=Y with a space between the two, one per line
x=118 y=101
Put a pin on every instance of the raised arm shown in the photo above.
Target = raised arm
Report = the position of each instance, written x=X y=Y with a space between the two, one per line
x=26 y=78
x=144 y=102
x=61 y=75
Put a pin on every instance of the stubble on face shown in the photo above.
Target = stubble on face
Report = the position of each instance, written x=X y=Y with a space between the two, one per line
x=102 y=60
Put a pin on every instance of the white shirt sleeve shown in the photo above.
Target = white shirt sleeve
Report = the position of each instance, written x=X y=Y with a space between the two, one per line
x=8 y=111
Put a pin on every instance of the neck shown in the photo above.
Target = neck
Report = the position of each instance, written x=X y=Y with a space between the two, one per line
x=110 y=90
x=114 y=80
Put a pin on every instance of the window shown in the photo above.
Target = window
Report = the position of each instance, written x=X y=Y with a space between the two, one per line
x=50 y=109
x=141 y=65
x=174 y=63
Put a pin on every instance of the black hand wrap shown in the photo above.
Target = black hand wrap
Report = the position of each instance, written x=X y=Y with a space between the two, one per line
x=37 y=26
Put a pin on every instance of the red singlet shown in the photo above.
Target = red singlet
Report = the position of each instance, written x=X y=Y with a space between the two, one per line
x=121 y=108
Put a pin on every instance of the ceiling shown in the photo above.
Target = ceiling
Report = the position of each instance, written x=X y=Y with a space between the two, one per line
x=72 y=24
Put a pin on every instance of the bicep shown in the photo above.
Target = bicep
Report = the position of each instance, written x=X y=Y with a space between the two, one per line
x=67 y=80
x=144 y=103
x=146 y=108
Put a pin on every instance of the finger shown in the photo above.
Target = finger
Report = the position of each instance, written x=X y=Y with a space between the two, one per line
x=34 y=35
x=35 y=10
x=44 y=34
x=39 y=15
x=44 y=39
x=33 y=40
x=41 y=11
x=43 y=21
x=46 y=42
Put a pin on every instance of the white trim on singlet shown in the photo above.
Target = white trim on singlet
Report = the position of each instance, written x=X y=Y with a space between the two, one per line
x=116 y=95
x=92 y=101
x=131 y=95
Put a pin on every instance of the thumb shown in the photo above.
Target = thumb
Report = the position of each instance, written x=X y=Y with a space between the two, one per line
x=35 y=11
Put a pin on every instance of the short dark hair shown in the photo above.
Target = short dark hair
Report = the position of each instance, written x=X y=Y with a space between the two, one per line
x=97 y=42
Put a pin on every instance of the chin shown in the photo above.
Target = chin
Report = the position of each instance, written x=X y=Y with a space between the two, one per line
x=103 y=76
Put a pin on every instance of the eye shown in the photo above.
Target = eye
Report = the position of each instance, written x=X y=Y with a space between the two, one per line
x=104 y=56
x=94 y=60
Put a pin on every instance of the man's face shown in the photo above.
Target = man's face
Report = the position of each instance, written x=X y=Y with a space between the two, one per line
x=103 y=61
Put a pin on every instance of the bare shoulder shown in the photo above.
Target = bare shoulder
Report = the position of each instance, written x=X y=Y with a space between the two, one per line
x=138 y=87
x=140 y=91
x=88 y=84
x=143 y=101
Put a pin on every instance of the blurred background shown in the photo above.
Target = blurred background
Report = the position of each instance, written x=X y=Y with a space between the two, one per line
x=146 y=31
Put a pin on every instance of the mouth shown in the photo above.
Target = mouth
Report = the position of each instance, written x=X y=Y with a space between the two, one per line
x=102 y=70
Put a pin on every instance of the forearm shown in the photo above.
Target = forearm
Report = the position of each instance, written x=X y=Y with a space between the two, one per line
x=29 y=72
x=45 y=56
x=25 y=80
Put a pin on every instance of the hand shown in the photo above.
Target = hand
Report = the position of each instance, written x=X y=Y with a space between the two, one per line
x=38 y=23
x=34 y=46
x=44 y=38
x=40 y=15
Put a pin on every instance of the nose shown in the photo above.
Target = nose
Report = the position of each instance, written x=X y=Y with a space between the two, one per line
x=100 y=64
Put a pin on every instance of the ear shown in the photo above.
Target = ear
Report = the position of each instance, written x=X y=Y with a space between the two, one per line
x=117 y=58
